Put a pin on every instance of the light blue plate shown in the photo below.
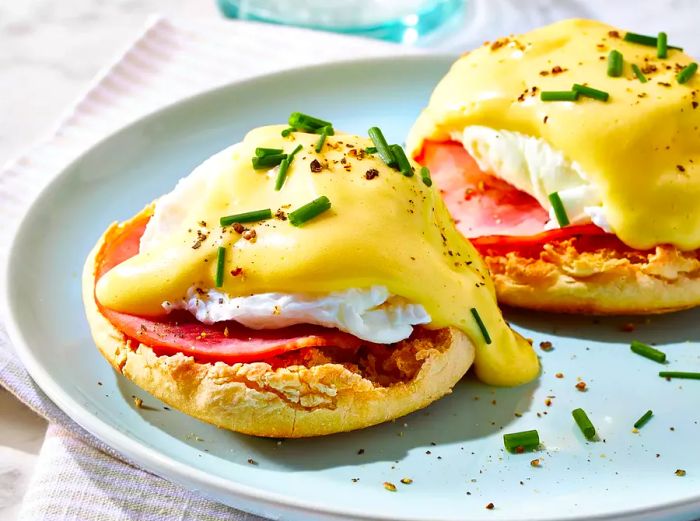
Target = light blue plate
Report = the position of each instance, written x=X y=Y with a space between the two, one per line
x=452 y=450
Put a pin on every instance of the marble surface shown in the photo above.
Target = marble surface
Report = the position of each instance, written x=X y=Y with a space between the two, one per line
x=50 y=50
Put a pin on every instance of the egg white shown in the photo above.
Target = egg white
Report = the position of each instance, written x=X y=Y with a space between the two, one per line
x=372 y=314
x=531 y=165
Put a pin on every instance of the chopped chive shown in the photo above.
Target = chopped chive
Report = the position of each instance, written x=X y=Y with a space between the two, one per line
x=246 y=217
x=371 y=150
x=260 y=151
x=321 y=140
x=425 y=176
x=687 y=73
x=590 y=92
x=615 y=62
x=584 y=423
x=558 y=95
x=220 y=260
x=382 y=146
x=648 y=352
x=641 y=422
x=643 y=39
x=294 y=152
x=559 y=210
x=638 y=72
x=281 y=174
x=309 y=211
x=328 y=129
x=679 y=374
x=482 y=327
x=287 y=131
x=268 y=161
x=662 y=46
x=401 y=160
x=307 y=123
x=284 y=166
x=521 y=441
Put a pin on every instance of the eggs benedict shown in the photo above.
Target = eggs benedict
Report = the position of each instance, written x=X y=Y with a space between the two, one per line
x=301 y=282
x=569 y=156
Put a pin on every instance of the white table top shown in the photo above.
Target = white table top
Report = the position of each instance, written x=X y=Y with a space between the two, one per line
x=36 y=37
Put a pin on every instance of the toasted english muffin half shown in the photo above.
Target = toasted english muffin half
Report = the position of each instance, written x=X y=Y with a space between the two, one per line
x=603 y=281
x=309 y=392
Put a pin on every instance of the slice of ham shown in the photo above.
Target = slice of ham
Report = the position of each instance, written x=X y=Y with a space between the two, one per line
x=494 y=215
x=481 y=204
x=227 y=342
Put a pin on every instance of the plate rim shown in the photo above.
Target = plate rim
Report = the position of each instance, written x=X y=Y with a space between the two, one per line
x=160 y=464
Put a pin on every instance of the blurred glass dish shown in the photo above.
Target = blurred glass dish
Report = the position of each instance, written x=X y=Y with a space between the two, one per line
x=394 y=20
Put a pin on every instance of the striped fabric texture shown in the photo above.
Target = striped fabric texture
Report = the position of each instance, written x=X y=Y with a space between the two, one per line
x=78 y=477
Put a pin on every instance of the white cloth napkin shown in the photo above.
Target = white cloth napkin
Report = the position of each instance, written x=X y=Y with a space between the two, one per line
x=77 y=477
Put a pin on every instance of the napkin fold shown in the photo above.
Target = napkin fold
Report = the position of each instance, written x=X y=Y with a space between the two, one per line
x=77 y=477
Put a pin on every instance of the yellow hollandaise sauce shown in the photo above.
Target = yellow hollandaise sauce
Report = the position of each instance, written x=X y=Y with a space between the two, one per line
x=640 y=147
x=383 y=228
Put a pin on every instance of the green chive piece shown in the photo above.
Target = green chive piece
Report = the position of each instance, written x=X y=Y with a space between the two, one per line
x=371 y=150
x=590 y=92
x=425 y=176
x=260 y=152
x=687 y=73
x=220 y=261
x=482 y=327
x=641 y=422
x=584 y=423
x=246 y=217
x=648 y=352
x=268 y=161
x=643 y=39
x=321 y=140
x=327 y=129
x=294 y=152
x=559 y=210
x=281 y=174
x=521 y=441
x=310 y=210
x=679 y=374
x=284 y=166
x=558 y=95
x=638 y=72
x=287 y=131
x=662 y=45
x=306 y=123
x=382 y=146
x=615 y=62
x=401 y=160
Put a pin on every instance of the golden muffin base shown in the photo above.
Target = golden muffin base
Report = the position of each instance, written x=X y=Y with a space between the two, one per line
x=604 y=282
x=287 y=402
